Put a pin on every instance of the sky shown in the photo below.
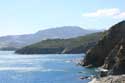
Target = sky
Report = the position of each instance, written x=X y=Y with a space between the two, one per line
x=30 y=16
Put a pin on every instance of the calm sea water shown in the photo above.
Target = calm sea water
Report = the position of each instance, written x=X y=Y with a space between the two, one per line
x=52 y=68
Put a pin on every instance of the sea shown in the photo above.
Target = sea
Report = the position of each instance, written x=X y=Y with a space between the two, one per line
x=43 y=68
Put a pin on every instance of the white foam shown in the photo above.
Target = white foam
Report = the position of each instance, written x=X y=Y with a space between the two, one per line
x=93 y=81
x=26 y=69
x=67 y=61
x=19 y=68
x=102 y=69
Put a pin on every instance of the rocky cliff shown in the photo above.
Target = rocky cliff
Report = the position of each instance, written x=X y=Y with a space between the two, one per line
x=110 y=79
x=109 y=52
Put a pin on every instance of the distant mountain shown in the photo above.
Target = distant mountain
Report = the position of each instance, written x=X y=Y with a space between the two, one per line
x=18 y=41
x=63 y=46
x=63 y=32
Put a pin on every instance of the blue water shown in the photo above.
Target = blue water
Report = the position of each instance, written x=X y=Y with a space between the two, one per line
x=54 y=68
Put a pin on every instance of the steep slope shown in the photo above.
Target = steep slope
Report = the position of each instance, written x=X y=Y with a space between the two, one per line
x=110 y=51
x=18 y=41
x=58 y=46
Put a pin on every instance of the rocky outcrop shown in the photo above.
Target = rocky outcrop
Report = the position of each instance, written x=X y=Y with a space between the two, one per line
x=110 y=51
x=119 y=66
x=110 y=79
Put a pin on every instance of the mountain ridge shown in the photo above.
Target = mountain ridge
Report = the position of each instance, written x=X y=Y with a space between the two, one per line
x=18 y=41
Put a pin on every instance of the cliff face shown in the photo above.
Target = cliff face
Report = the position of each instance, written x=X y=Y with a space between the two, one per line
x=110 y=51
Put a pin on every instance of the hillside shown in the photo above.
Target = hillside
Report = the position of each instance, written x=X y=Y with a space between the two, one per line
x=58 y=46
x=109 y=53
x=18 y=41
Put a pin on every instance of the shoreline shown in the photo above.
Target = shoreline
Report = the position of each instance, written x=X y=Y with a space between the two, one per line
x=109 y=79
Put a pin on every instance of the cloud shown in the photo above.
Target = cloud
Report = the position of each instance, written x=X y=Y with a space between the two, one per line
x=121 y=15
x=112 y=12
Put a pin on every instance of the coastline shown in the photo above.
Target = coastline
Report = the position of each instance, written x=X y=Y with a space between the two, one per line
x=109 y=79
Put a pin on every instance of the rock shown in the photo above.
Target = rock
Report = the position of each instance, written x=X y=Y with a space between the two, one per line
x=110 y=60
x=109 y=52
x=83 y=78
x=103 y=74
x=109 y=79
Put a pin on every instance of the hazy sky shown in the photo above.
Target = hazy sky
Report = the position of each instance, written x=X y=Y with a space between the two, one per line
x=28 y=16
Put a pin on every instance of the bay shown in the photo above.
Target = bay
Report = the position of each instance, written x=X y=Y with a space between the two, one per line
x=42 y=68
